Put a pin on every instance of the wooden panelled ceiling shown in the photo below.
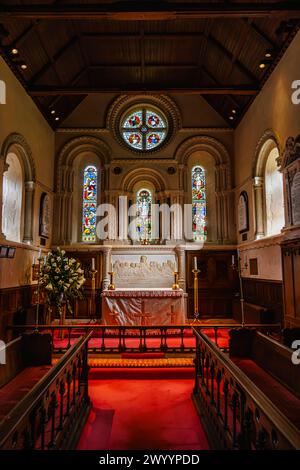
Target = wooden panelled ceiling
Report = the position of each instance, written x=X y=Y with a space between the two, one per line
x=61 y=52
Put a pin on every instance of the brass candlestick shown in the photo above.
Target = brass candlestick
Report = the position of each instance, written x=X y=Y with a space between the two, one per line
x=93 y=273
x=196 y=294
x=239 y=269
x=111 y=285
x=175 y=286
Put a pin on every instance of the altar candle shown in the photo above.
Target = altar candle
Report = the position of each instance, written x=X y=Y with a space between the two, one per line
x=40 y=254
x=45 y=257
x=195 y=263
x=93 y=264
x=232 y=260
x=33 y=260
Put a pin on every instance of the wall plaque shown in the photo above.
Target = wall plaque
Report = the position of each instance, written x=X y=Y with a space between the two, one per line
x=295 y=198
x=45 y=216
x=243 y=213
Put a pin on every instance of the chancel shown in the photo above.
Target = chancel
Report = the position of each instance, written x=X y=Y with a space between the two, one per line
x=149 y=226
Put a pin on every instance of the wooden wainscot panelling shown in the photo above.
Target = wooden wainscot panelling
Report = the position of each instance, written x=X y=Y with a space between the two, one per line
x=90 y=305
x=16 y=306
x=266 y=294
x=291 y=280
x=218 y=283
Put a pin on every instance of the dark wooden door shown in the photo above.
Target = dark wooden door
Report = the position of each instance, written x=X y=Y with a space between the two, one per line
x=218 y=283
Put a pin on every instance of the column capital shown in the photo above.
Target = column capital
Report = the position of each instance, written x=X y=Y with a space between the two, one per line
x=258 y=181
x=29 y=185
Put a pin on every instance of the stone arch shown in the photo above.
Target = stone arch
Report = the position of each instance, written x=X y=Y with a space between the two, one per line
x=17 y=143
x=268 y=142
x=24 y=152
x=67 y=195
x=221 y=197
x=76 y=146
x=146 y=174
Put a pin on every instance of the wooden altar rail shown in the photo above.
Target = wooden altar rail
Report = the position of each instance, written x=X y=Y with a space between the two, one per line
x=236 y=414
x=53 y=413
x=103 y=333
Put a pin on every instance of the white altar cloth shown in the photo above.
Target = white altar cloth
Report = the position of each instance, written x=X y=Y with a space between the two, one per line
x=160 y=306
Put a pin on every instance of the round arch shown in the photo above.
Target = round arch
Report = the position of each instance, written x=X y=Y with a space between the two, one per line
x=268 y=141
x=264 y=177
x=17 y=144
x=133 y=177
x=23 y=150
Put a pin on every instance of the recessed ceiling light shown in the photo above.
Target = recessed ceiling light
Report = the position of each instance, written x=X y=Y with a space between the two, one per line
x=23 y=66
x=231 y=118
x=14 y=51
x=268 y=55
x=57 y=118
x=233 y=111
x=262 y=65
x=53 y=111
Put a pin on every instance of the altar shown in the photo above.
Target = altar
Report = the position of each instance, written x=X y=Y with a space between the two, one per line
x=129 y=306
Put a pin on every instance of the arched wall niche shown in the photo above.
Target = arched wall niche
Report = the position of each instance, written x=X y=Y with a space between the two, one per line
x=212 y=155
x=16 y=145
x=72 y=159
x=13 y=199
x=268 y=186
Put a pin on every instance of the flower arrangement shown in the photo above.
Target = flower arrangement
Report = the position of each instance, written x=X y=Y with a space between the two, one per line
x=61 y=278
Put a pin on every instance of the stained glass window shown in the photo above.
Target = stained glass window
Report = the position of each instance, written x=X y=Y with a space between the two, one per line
x=143 y=202
x=89 y=204
x=144 y=129
x=199 y=203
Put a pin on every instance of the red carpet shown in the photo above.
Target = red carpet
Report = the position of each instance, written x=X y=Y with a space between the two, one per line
x=142 y=409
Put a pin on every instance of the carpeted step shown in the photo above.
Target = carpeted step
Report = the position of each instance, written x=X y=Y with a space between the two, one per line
x=145 y=355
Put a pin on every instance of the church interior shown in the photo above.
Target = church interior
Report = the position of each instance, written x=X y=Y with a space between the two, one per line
x=149 y=225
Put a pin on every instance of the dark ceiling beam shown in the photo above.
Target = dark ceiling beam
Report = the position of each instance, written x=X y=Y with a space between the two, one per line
x=234 y=102
x=50 y=59
x=146 y=64
x=24 y=35
x=262 y=35
x=150 y=11
x=53 y=61
x=69 y=91
x=142 y=54
x=72 y=82
x=233 y=59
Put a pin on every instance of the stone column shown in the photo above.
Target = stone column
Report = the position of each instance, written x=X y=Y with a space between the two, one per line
x=258 y=186
x=123 y=218
x=2 y=169
x=28 y=219
x=180 y=251
x=106 y=266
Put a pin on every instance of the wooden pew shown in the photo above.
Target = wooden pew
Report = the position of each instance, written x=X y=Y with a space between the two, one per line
x=268 y=364
x=28 y=359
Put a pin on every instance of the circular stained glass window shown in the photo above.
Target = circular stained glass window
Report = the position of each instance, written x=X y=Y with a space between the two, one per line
x=144 y=128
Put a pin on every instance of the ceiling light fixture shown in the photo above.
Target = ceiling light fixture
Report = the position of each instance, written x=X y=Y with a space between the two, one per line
x=14 y=51
x=53 y=111
x=231 y=118
x=23 y=66
x=262 y=65
x=57 y=118
x=233 y=111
